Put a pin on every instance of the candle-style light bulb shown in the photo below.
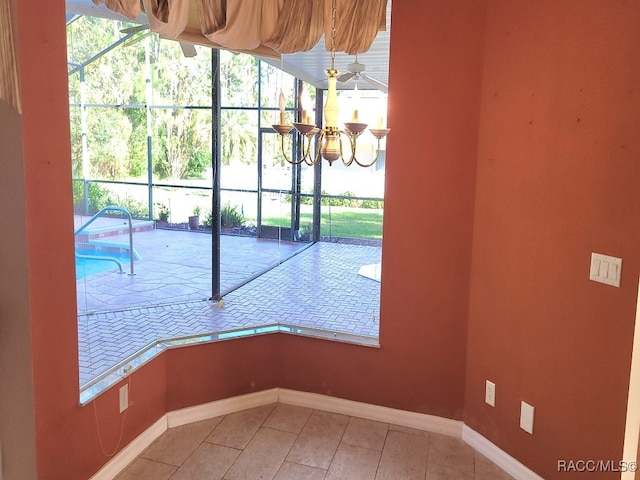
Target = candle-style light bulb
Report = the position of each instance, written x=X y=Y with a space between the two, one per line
x=304 y=102
x=356 y=97
x=282 y=104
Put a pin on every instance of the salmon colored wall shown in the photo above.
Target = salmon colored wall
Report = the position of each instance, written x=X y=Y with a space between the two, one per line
x=558 y=178
x=66 y=434
x=208 y=372
x=17 y=419
x=434 y=102
x=47 y=186
x=551 y=124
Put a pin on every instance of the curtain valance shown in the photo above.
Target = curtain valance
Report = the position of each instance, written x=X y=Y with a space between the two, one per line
x=263 y=27
x=9 y=85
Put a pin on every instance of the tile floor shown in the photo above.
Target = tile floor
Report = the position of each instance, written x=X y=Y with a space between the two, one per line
x=285 y=442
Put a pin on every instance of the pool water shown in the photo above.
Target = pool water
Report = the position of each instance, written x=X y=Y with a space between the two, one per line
x=86 y=267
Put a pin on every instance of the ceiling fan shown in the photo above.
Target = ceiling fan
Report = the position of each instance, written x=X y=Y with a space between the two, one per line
x=188 y=50
x=355 y=71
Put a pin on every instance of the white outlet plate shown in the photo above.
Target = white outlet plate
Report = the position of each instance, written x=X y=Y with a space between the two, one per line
x=124 y=397
x=490 y=393
x=526 y=417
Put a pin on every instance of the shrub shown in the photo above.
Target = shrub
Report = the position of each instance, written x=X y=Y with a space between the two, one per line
x=98 y=197
x=328 y=201
x=163 y=212
x=230 y=216
x=136 y=208
x=208 y=219
x=305 y=199
x=378 y=204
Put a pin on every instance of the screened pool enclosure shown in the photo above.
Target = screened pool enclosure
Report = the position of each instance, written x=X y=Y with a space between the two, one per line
x=226 y=235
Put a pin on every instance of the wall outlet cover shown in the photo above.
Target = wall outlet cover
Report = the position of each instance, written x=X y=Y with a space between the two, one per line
x=526 y=417
x=490 y=393
x=124 y=397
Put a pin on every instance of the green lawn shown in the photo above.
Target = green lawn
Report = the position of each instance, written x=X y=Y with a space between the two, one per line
x=340 y=222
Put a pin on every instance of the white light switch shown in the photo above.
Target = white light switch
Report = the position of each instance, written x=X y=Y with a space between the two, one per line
x=526 y=417
x=605 y=269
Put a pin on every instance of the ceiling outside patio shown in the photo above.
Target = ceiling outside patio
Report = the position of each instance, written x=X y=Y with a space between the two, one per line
x=308 y=66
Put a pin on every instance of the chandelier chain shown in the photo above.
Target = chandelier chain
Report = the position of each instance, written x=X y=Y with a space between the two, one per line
x=333 y=34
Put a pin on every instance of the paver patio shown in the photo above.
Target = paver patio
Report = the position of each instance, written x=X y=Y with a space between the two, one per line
x=168 y=296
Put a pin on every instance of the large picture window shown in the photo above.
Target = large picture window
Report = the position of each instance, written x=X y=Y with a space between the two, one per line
x=189 y=222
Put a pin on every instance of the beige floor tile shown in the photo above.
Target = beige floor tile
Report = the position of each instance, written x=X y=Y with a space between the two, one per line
x=237 y=429
x=353 y=463
x=487 y=470
x=288 y=418
x=409 y=430
x=295 y=471
x=452 y=452
x=263 y=456
x=328 y=446
x=143 y=469
x=404 y=457
x=176 y=444
x=319 y=440
x=208 y=462
x=441 y=472
x=365 y=433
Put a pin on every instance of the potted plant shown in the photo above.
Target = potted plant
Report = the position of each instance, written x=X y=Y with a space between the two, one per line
x=194 y=220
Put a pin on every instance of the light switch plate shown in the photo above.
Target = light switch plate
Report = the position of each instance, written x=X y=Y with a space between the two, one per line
x=605 y=269
x=526 y=417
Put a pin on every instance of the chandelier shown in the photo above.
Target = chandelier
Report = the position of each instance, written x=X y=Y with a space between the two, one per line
x=329 y=138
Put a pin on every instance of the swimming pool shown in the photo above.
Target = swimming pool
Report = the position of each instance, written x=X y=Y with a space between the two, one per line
x=86 y=267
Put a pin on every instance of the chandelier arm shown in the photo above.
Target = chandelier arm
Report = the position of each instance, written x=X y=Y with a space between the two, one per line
x=284 y=152
x=318 y=154
x=306 y=151
x=346 y=163
x=372 y=161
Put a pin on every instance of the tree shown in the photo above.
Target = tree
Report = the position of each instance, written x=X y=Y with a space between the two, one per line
x=109 y=82
x=147 y=69
x=109 y=153
x=182 y=147
x=239 y=142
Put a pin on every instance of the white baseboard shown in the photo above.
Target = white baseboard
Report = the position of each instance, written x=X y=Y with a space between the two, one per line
x=221 y=407
x=421 y=421
x=176 y=418
x=505 y=461
x=129 y=453
x=326 y=403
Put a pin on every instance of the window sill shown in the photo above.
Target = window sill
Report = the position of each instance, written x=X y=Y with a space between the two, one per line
x=106 y=380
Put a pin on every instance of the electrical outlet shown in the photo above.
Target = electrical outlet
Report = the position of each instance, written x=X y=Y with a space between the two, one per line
x=526 y=417
x=124 y=397
x=490 y=393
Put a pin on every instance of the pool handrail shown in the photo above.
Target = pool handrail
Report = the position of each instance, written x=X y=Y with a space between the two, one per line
x=130 y=218
x=99 y=257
